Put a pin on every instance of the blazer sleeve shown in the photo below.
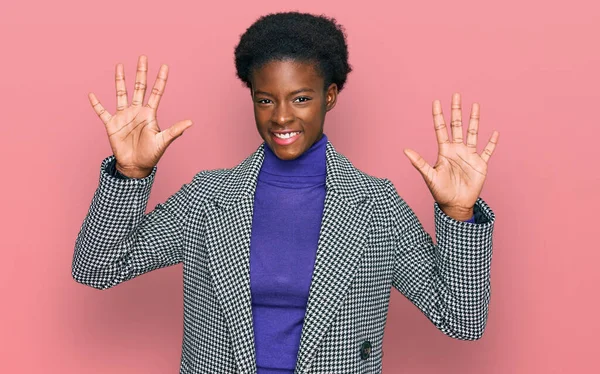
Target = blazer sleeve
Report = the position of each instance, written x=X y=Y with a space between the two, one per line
x=118 y=241
x=449 y=282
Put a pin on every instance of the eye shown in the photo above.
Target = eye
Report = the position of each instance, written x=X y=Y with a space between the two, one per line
x=302 y=99
x=263 y=101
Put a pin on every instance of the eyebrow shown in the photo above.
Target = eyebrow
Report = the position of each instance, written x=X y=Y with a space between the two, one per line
x=304 y=89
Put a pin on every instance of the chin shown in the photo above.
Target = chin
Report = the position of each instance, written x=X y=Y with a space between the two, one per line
x=286 y=154
x=290 y=151
x=283 y=155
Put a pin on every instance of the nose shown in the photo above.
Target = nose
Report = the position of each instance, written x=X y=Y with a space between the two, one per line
x=282 y=114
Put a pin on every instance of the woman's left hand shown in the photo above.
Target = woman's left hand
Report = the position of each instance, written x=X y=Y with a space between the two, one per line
x=457 y=178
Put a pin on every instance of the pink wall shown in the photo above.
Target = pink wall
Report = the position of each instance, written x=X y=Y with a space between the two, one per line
x=533 y=66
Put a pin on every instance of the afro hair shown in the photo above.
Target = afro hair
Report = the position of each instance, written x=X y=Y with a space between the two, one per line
x=296 y=36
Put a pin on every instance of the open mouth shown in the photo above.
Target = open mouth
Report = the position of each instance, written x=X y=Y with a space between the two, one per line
x=286 y=138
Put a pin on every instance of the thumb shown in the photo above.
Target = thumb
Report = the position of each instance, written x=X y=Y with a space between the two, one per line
x=418 y=162
x=175 y=131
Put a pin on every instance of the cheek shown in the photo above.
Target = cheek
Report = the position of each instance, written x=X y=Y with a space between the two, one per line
x=309 y=112
x=261 y=116
x=312 y=115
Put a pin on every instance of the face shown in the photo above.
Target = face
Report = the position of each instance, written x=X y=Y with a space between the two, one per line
x=290 y=103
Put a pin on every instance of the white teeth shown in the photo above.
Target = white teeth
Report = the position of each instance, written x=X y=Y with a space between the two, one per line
x=286 y=135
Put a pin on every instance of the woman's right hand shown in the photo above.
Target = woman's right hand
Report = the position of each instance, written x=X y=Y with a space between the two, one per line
x=135 y=138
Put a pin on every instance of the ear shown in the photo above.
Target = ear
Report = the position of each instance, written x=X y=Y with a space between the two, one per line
x=331 y=97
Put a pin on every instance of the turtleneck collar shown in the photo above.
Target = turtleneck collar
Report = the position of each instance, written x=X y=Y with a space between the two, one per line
x=311 y=163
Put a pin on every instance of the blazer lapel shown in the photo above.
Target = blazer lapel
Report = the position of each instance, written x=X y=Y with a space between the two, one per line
x=344 y=227
x=228 y=230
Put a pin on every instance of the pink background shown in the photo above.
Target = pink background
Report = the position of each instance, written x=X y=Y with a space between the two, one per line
x=532 y=65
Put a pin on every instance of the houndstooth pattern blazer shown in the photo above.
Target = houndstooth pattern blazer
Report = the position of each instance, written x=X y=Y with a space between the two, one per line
x=370 y=241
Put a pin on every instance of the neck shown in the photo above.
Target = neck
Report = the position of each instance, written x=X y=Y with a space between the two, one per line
x=310 y=163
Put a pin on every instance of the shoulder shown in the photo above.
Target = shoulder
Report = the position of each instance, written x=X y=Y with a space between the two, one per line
x=354 y=181
x=388 y=208
x=226 y=183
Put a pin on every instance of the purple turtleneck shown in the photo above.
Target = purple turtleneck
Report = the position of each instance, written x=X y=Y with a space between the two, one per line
x=288 y=207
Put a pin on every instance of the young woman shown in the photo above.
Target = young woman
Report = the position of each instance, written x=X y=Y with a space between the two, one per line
x=289 y=258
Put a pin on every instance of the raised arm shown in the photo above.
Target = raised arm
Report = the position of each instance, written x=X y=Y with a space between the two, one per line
x=449 y=282
x=117 y=240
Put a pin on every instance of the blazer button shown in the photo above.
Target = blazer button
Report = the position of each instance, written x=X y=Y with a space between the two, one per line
x=365 y=350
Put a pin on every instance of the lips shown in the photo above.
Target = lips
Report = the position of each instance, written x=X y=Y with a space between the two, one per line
x=285 y=137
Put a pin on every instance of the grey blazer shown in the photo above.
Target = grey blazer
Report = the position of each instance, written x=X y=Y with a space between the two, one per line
x=370 y=240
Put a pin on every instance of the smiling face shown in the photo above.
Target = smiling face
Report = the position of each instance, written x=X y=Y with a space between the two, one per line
x=290 y=104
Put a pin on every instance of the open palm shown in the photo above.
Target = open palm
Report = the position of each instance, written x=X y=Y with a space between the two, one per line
x=457 y=178
x=135 y=138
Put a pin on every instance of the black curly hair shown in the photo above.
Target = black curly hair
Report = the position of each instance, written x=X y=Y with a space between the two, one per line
x=297 y=36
